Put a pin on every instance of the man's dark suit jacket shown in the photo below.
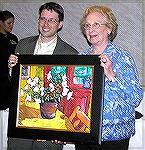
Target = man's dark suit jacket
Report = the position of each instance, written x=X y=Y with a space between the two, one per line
x=27 y=46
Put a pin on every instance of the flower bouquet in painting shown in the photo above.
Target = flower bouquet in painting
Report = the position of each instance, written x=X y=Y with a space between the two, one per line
x=52 y=91
x=32 y=90
x=59 y=93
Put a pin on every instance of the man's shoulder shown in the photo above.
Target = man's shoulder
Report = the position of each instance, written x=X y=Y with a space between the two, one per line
x=29 y=39
x=26 y=45
x=66 y=46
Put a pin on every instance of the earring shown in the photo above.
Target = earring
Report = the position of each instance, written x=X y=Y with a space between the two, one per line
x=109 y=33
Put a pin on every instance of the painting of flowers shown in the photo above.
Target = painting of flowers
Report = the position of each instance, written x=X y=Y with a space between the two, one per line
x=56 y=97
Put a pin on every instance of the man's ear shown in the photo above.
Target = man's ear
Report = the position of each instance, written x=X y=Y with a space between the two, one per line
x=60 y=25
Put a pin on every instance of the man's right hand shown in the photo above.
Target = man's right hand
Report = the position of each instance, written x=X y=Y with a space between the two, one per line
x=12 y=61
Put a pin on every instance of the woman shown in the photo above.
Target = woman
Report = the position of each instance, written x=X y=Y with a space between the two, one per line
x=122 y=92
x=8 y=42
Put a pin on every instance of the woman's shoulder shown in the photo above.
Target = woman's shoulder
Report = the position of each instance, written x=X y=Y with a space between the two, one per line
x=120 y=50
x=12 y=38
x=87 y=51
x=121 y=54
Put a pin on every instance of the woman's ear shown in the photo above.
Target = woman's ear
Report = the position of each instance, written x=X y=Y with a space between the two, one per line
x=1 y=22
x=109 y=31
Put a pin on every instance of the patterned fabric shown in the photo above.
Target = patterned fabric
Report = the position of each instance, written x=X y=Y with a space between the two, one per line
x=120 y=97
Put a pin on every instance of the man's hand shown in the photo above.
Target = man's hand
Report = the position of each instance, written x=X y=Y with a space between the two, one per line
x=12 y=61
x=58 y=142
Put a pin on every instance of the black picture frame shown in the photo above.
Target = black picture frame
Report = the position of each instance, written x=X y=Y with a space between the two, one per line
x=96 y=106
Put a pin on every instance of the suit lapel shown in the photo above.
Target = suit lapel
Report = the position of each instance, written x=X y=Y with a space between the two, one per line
x=33 y=44
x=59 y=46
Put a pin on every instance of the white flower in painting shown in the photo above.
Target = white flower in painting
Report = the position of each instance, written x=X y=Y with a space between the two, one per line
x=64 y=78
x=65 y=91
x=58 y=99
x=26 y=87
x=51 y=87
x=64 y=81
x=42 y=93
x=37 y=100
x=28 y=98
x=69 y=95
x=42 y=89
x=36 y=79
x=49 y=76
x=33 y=83
x=21 y=92
x=64 y=84
x=29 y=81
x=36 y=89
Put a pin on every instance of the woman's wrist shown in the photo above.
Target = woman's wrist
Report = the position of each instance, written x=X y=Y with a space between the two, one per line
x=112 y=78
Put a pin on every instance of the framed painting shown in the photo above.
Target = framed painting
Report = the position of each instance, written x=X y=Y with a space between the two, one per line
x=57 y=97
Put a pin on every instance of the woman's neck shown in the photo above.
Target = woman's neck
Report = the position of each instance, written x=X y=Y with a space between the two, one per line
x=2 y=31
x=98 y=49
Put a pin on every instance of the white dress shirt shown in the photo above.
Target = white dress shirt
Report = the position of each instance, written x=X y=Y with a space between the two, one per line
x=42 y=48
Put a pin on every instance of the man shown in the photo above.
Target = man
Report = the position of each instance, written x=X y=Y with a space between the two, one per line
x=48 y=42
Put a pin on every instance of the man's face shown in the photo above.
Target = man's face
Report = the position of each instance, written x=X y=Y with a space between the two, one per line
x=49 y=24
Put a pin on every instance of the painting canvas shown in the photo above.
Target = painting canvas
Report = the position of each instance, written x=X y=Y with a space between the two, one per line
x=53 y=99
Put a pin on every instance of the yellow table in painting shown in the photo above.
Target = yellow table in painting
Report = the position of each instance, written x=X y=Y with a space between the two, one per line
x=56 y=123
x=29 y=117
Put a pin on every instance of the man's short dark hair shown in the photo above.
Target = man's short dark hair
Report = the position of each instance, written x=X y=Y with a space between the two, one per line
x=55 y=7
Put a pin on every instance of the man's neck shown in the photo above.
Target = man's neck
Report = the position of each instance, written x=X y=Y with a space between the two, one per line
x=47 y=39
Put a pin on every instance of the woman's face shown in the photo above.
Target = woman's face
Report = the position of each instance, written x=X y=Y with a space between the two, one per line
x=7 y=25
x=96 y=30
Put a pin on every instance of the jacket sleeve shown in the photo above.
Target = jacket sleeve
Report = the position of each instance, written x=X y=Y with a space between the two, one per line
x=127 y=84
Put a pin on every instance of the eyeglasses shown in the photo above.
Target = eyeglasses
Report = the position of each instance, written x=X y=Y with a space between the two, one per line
x=96 y=25
x=50 y=21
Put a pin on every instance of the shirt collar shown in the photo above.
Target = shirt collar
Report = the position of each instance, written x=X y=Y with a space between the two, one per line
x=107 y=49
